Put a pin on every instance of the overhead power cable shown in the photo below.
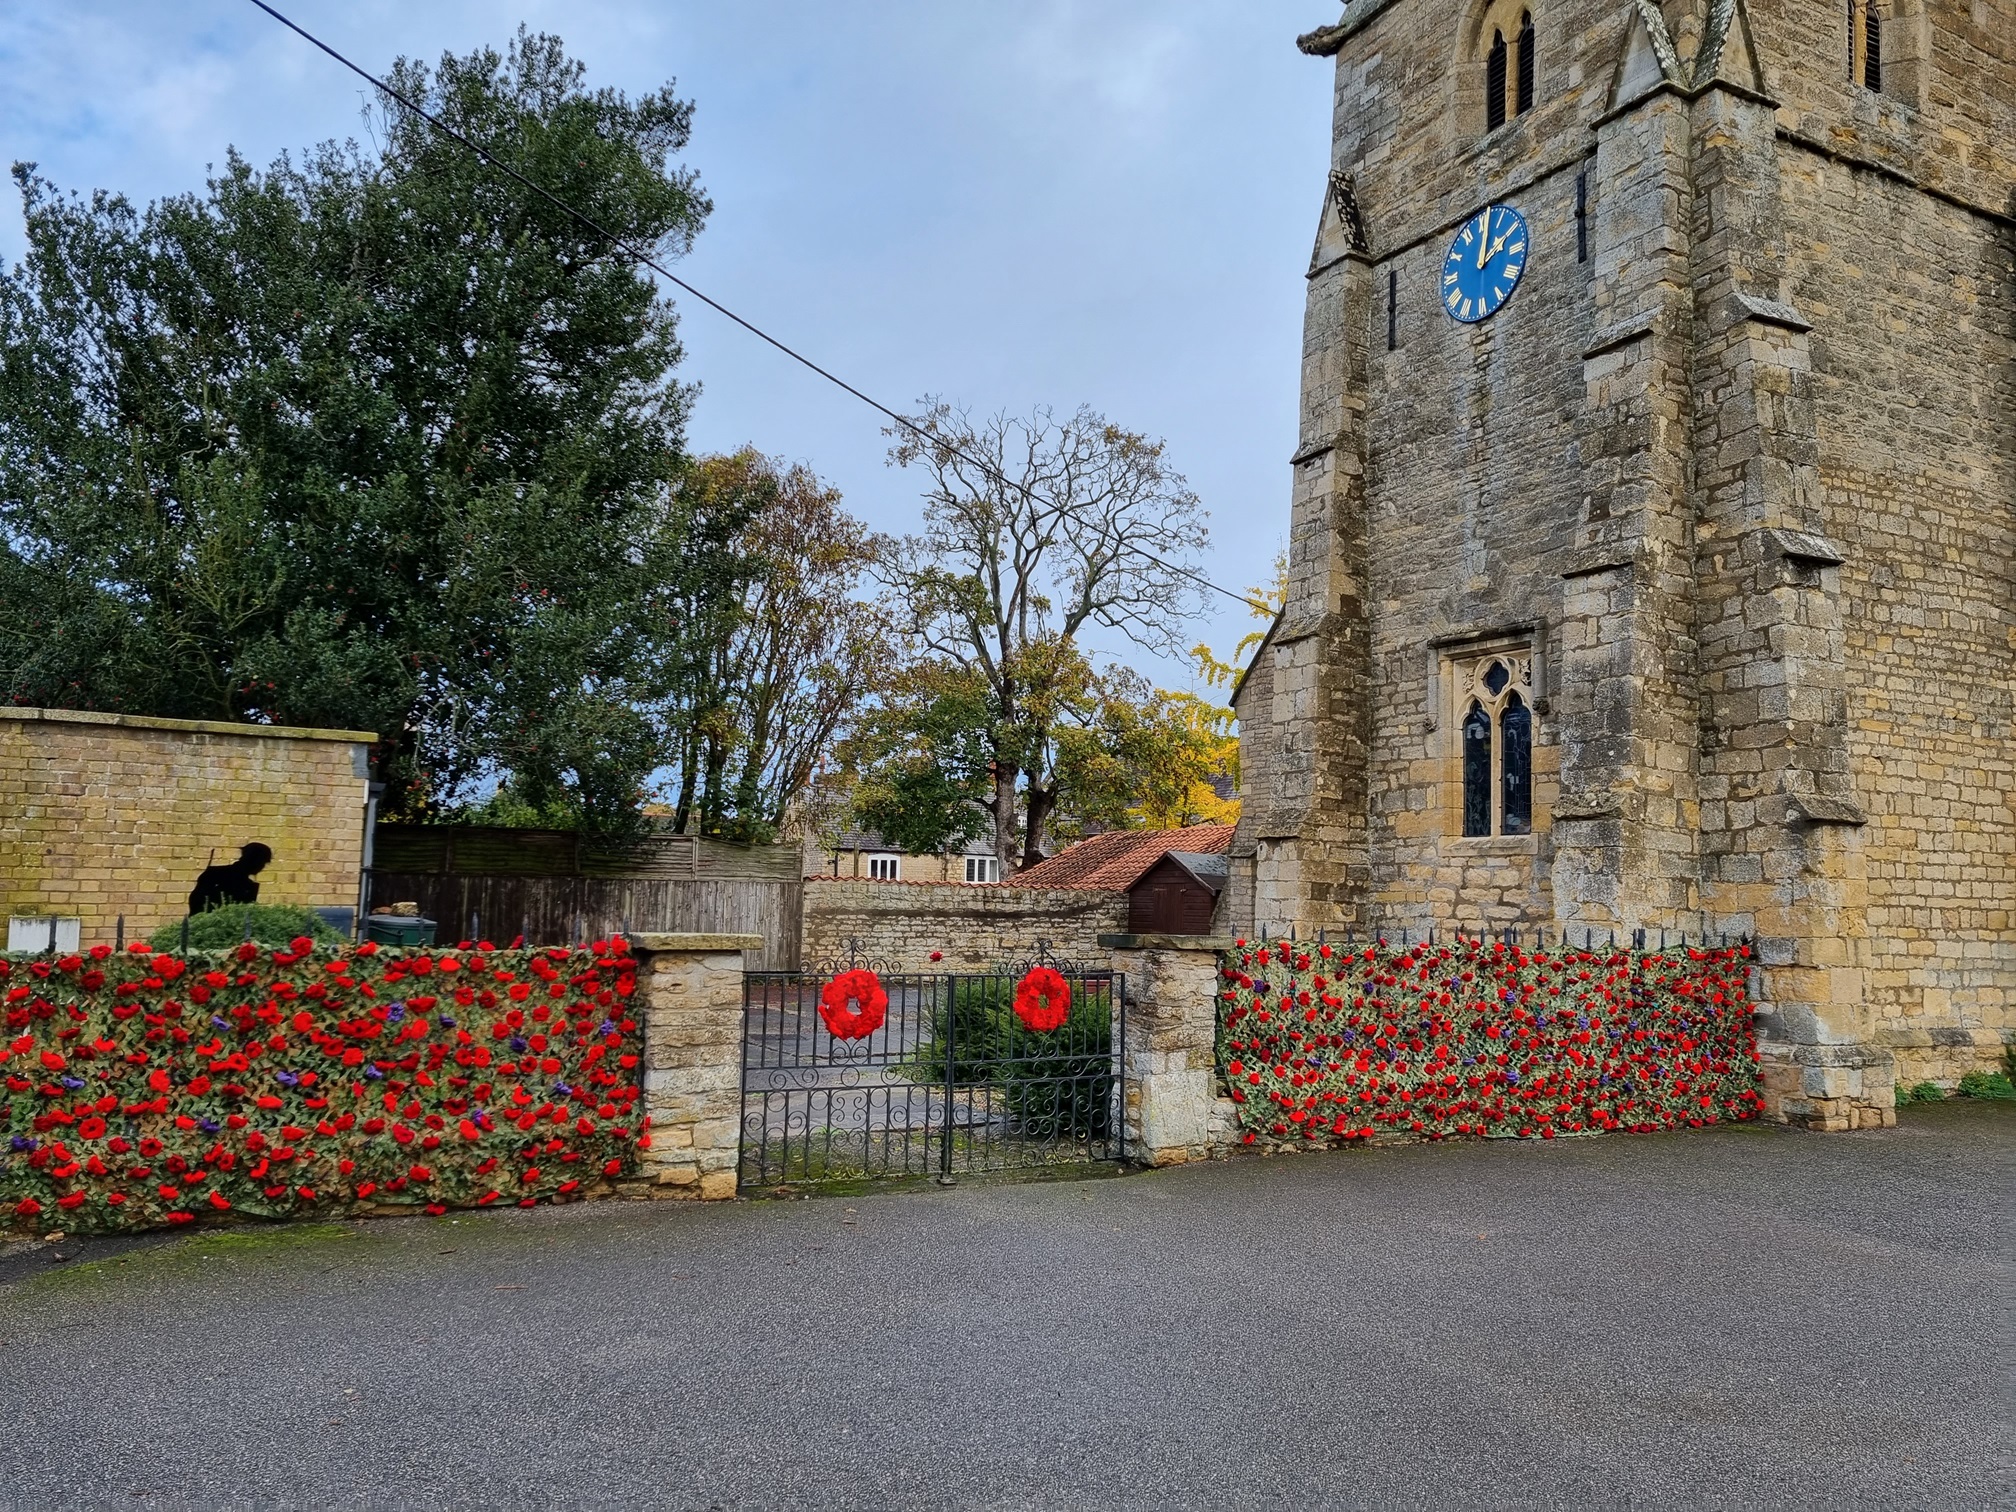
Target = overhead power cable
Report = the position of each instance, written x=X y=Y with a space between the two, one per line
x=644 y=256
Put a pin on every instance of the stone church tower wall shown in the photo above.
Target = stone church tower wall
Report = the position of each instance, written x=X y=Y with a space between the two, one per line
x=1725 y=492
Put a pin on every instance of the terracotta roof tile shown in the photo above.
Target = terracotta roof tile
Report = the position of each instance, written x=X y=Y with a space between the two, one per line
x=1114 y=862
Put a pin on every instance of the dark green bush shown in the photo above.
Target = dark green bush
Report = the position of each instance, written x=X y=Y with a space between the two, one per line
x=1993 y=1086
x=1922 y=1092
x=1057 y=1085
x=221 y=928
x=1060 y=1085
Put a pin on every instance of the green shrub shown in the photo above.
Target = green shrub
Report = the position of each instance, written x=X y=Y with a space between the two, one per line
x=221 y=928
x=979 y=1014
x=1923 y=1092
x=1057 y=1085
x=1060 y=1085
x=1993 y=1086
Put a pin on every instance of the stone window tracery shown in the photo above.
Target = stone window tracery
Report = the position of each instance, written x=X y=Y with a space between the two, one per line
x=1510 y=58
x=1494 y=707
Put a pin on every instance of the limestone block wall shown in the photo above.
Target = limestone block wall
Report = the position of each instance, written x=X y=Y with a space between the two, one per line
x=973 y=928
x=690 y=987
x=1917 y=484
x=1737 y=462
x=1172 y=1112
x=103 y=815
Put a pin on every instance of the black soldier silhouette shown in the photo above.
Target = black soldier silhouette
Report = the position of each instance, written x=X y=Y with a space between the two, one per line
x=231 y=883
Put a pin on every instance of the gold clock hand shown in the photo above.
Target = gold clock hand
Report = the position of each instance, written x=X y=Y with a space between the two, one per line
x=1483 y=238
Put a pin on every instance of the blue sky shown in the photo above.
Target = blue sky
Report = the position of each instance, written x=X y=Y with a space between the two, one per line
x=1108 y=202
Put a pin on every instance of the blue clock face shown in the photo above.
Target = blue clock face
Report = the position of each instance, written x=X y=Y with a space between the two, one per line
x=1484 y=264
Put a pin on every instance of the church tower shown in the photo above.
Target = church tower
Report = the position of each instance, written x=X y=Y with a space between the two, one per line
x=1653 y=531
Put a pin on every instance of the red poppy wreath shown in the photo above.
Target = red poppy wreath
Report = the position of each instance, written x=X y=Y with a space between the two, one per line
x=1043 y=1000
x=853 y=1004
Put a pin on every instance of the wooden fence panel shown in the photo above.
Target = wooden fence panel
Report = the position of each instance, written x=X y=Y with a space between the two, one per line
x=558 y=910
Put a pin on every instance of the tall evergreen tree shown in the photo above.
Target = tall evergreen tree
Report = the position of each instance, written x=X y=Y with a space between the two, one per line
x=375 y=439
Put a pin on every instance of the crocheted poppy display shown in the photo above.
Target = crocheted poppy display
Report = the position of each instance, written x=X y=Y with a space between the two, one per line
x=139 y=1088
x=1043 y=1000
x=1484 y=1039
x=853 y=1004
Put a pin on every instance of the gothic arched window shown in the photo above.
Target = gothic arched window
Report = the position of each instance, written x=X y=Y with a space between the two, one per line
x=1476 y=771
x=1509 y=53
x=1528 y=59
x=1495 y=700
x=1865 y=44
x=1494 y=83
x=1515 y=767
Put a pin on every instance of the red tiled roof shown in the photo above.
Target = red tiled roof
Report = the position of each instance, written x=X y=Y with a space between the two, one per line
x=1115 y=862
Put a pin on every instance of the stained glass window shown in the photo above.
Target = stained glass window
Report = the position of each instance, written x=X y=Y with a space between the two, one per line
x=1495 y=736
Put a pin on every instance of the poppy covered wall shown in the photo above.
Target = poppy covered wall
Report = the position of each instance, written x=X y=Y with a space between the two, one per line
x=143 y=1089
x=1476 y=1038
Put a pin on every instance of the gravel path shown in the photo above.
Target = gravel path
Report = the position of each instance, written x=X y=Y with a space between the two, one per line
x=1735 y=1318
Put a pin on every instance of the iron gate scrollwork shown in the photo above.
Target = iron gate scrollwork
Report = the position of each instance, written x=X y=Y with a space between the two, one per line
x=952 y=1081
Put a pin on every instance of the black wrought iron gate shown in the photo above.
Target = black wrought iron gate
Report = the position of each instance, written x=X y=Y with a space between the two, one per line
x=953 y=1079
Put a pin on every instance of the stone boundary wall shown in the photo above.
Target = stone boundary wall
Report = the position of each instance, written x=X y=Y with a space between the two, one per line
x=104 y=815
x=1173 y=1113
x=690 y=988
x=972 y=927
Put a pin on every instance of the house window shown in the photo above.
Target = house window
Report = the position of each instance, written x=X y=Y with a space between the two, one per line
x=1494 y=708
x=983 y=869
x=885 y=868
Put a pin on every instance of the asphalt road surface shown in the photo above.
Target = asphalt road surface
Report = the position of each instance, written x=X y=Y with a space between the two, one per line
x=1736 y=1318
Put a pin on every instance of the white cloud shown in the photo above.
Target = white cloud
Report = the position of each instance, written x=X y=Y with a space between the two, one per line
x=1102 y=201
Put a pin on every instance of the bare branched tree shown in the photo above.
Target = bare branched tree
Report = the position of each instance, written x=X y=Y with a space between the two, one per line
x=1035 y=530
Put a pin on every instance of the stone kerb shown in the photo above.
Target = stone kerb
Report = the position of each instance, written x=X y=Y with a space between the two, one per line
x=691 y=989
x=1170 y=1045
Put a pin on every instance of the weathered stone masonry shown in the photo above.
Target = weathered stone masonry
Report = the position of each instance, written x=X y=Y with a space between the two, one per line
x=690 y=987
x=110 y=815
x=972 y=928
x=1737 y=462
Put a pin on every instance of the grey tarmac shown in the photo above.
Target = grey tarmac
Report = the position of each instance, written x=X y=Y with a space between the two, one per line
x=1742 y=1317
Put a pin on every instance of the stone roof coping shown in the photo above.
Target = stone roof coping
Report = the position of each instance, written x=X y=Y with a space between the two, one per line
x=697 y=944
x=188 y=726
x=1328 y=41
x=1010 y=886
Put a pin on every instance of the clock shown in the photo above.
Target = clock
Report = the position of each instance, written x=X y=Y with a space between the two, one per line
x=1484 y=264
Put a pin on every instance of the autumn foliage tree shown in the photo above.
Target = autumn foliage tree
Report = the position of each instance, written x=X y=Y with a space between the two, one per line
x=1036 y=531
x=788 y=653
